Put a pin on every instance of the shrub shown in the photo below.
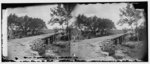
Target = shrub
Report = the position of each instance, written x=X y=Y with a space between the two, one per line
x=109 y=47
x=130 y=46
x=39 y=46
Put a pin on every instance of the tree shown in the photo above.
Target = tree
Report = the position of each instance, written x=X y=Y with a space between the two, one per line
x=62 y=14
x=125 y=30
x=93 y=25
x=21 y=26
x=58 y=15
x=32 y=25
x=130 y=16
x=36 y=24
x=13 y=23
x=56 y=29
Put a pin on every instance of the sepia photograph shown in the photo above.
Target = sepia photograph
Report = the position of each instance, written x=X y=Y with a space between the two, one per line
x=74 y=32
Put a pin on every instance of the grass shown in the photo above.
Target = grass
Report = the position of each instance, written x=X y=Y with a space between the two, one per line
x=63 y=48
x=133 y=49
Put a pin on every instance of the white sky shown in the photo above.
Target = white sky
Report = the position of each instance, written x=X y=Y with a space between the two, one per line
x=110 y=11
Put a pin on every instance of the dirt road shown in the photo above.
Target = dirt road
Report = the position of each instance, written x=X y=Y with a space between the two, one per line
x=20 y=48
x=89 y=49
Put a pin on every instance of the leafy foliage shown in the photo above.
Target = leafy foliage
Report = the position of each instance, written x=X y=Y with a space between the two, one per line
x=129 y=15
x=93 y=24
x=109 y=47
x=39 y=46
x=61 y=14
x=24 y=26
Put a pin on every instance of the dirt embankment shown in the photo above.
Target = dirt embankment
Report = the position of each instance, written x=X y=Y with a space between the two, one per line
x=51 y=52
x=20 y=50
x=128 y=51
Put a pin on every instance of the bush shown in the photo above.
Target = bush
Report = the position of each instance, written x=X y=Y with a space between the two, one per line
x=65 y=38
x=109 y=47
x=39 y=46
x=133 y=38
x=130 y=46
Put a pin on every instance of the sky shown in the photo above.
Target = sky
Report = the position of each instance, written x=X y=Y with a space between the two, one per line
x=109 y=11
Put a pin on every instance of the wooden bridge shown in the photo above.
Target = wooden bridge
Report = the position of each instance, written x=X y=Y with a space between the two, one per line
x=117 y=38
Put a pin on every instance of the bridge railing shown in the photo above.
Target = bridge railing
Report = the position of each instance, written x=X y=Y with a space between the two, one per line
x=52 y=38
x=119 y=39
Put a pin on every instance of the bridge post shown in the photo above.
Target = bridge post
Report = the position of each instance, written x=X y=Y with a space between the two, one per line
x=123 y=38
x=49 y=40
x=120 y=38
x=118 y=41
x=115 y=41
x=54 y=41
x=46 y=41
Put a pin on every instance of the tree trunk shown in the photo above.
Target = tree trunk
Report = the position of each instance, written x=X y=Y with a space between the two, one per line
x=136 y=30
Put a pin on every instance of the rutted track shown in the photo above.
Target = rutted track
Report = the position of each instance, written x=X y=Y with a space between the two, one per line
x=89 y=49
x=20 y=48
